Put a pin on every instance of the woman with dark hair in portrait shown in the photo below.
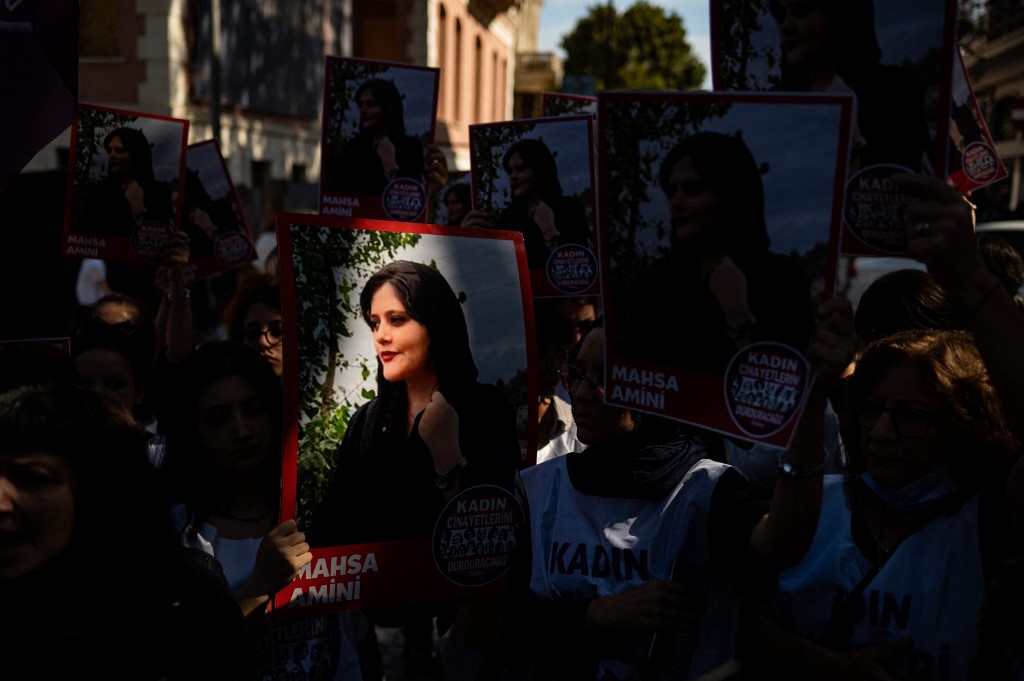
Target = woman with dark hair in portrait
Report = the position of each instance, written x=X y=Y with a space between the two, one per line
x=719 y=288
x=831 y=46
x=381 y=151
x=546 y=217
x=93 y=581
x=432 y=429
x=431 y=432
x=128 y=195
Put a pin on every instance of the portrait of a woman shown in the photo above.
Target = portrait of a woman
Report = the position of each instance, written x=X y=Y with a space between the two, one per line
x=831 y=46
x=381 y=151
x=719 y=287
x=539 y=208
x=129 y=194
x=432 y=429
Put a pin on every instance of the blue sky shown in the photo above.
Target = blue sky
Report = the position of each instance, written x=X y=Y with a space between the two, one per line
x=559 y=16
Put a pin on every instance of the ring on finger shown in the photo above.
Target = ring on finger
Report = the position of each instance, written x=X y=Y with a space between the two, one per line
x=922 y=228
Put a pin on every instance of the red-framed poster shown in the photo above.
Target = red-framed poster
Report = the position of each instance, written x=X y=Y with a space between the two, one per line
x=378 y=118
x=719 y=228
x=219 y=235
x=407 y=409
x=536 y=176
x=125 y=184
x=894 y=58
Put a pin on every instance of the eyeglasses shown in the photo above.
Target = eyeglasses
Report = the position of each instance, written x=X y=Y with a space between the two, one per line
x=274 y=333
x=907 y=421
x=572 y=379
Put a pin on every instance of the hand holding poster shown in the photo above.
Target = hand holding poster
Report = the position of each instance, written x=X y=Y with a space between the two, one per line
x=408 y=375
x=377 y=122
x=720 y=241
x=535 y=176
x=125 y=180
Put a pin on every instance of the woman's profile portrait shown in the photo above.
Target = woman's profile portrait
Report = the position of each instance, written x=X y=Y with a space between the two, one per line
x=720 y=245
x=377 y=156
x=432 y=428
x=126 y=175
x=539 y=208
x=723 y=286
x=381 y=151
x=128 y=194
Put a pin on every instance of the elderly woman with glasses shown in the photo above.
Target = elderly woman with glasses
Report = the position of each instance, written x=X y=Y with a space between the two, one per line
x=894 y=580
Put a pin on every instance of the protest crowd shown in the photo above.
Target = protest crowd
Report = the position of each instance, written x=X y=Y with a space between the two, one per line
x=148 y=468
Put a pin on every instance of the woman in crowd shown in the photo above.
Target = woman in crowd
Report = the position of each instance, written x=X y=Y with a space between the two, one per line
x=831 y=46
x=719 y=288
x=93 y=582
x=129 y=194
x=224 y=476
x=381 y=151
x=254 y=318
x=635 y=541
x=893 y=582
x=458 y=201
x=546 y=217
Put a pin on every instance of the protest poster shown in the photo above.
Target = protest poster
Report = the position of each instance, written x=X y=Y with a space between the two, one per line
x=894 y=58
x=719 y=226
x=219 y=236
x=444 y=307
x=973 y=161
x=125 y=178
x=536 y=176
x=561 y=104
x=378 y=118
x=456 y=200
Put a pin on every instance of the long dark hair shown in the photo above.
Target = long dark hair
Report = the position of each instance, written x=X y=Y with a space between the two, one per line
x=538 y=158
x=138 y=146
x=192 y=477
x=387 y=96
x=429 y=299
x=726 y=166
x=851 y=39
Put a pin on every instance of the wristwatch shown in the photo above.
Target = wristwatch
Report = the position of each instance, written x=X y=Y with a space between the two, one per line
x=444 y=481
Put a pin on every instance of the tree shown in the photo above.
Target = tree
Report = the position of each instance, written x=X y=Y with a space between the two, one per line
x=644 y=48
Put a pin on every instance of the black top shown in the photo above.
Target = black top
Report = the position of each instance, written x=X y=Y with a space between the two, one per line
x=384 y=485
x=674 y=319
x=570 y=220
x=358 y=170
x=106 y=211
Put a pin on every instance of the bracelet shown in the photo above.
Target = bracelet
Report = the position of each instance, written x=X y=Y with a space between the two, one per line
x=988 y=294
x=787 y=470
x=184 y=297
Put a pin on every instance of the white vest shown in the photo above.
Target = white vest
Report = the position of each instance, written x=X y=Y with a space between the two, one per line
x=586 y=547
x=931 y=588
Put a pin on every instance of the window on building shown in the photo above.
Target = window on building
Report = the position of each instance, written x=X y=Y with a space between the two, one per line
x=98 y=30
x=457 y=113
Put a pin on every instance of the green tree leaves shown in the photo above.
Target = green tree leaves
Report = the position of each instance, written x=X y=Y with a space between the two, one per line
x=644 y=48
